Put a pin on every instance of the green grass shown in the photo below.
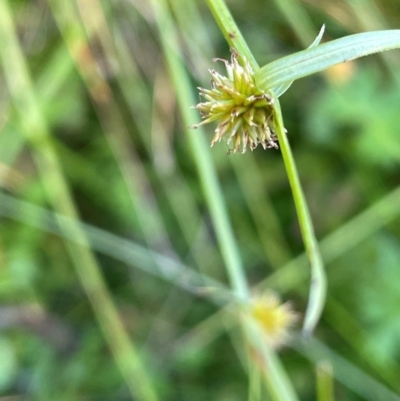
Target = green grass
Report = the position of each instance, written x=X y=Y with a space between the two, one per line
x=129 y=249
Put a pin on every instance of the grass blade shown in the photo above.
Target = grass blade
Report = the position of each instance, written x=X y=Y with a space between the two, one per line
x=37 y=132
x=319 y=58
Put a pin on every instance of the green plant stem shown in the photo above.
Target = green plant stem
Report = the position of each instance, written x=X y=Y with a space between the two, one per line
x=230 y=30
x=340 y=241
x=277 y=381
x=318 y=277
x=201 y=152
x=38 y=135
x=130 y=253
x=351 y=376
x=325 y=382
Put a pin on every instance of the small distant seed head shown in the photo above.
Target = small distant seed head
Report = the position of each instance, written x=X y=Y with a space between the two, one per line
x=274 y=317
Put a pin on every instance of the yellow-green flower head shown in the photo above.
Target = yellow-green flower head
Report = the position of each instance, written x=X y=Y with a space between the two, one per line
x=274 y=317
x=245 y=113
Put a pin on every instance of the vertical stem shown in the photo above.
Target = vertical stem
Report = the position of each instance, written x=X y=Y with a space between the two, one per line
x=201 y=152
x=325 y=389
x=37 y=133
x=279 y=384
x=318 y=277
x=230 y=30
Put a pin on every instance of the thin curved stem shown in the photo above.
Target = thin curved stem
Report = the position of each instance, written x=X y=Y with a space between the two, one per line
x=318 y=277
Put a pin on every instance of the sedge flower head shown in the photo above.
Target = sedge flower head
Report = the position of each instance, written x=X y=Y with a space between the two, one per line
x=274 y=317
x=245 y=112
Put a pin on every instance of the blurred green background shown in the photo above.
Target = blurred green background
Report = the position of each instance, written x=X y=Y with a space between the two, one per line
x=90 y=123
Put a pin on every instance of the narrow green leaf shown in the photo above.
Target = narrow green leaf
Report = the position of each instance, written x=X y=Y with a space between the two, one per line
x=310 y=61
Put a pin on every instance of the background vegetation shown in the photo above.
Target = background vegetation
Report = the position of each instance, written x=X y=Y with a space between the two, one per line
x=128 y=298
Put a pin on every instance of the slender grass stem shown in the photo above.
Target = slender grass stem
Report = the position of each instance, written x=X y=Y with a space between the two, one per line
x=230 y=30
x=201 y=153
x=277 y=381
x=279 y=385
x=325 y=386
x=37 y=133
x=318 y=278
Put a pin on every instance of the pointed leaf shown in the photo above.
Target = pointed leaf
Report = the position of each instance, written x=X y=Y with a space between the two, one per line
x=310 y=61
x=317 y=40
x=281 y=89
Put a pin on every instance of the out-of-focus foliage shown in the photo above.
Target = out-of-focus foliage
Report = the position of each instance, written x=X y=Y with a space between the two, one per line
x=101 y=84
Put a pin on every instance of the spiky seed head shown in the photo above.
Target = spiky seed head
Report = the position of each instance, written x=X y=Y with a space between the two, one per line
x=275 y=318
x=245 y=113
